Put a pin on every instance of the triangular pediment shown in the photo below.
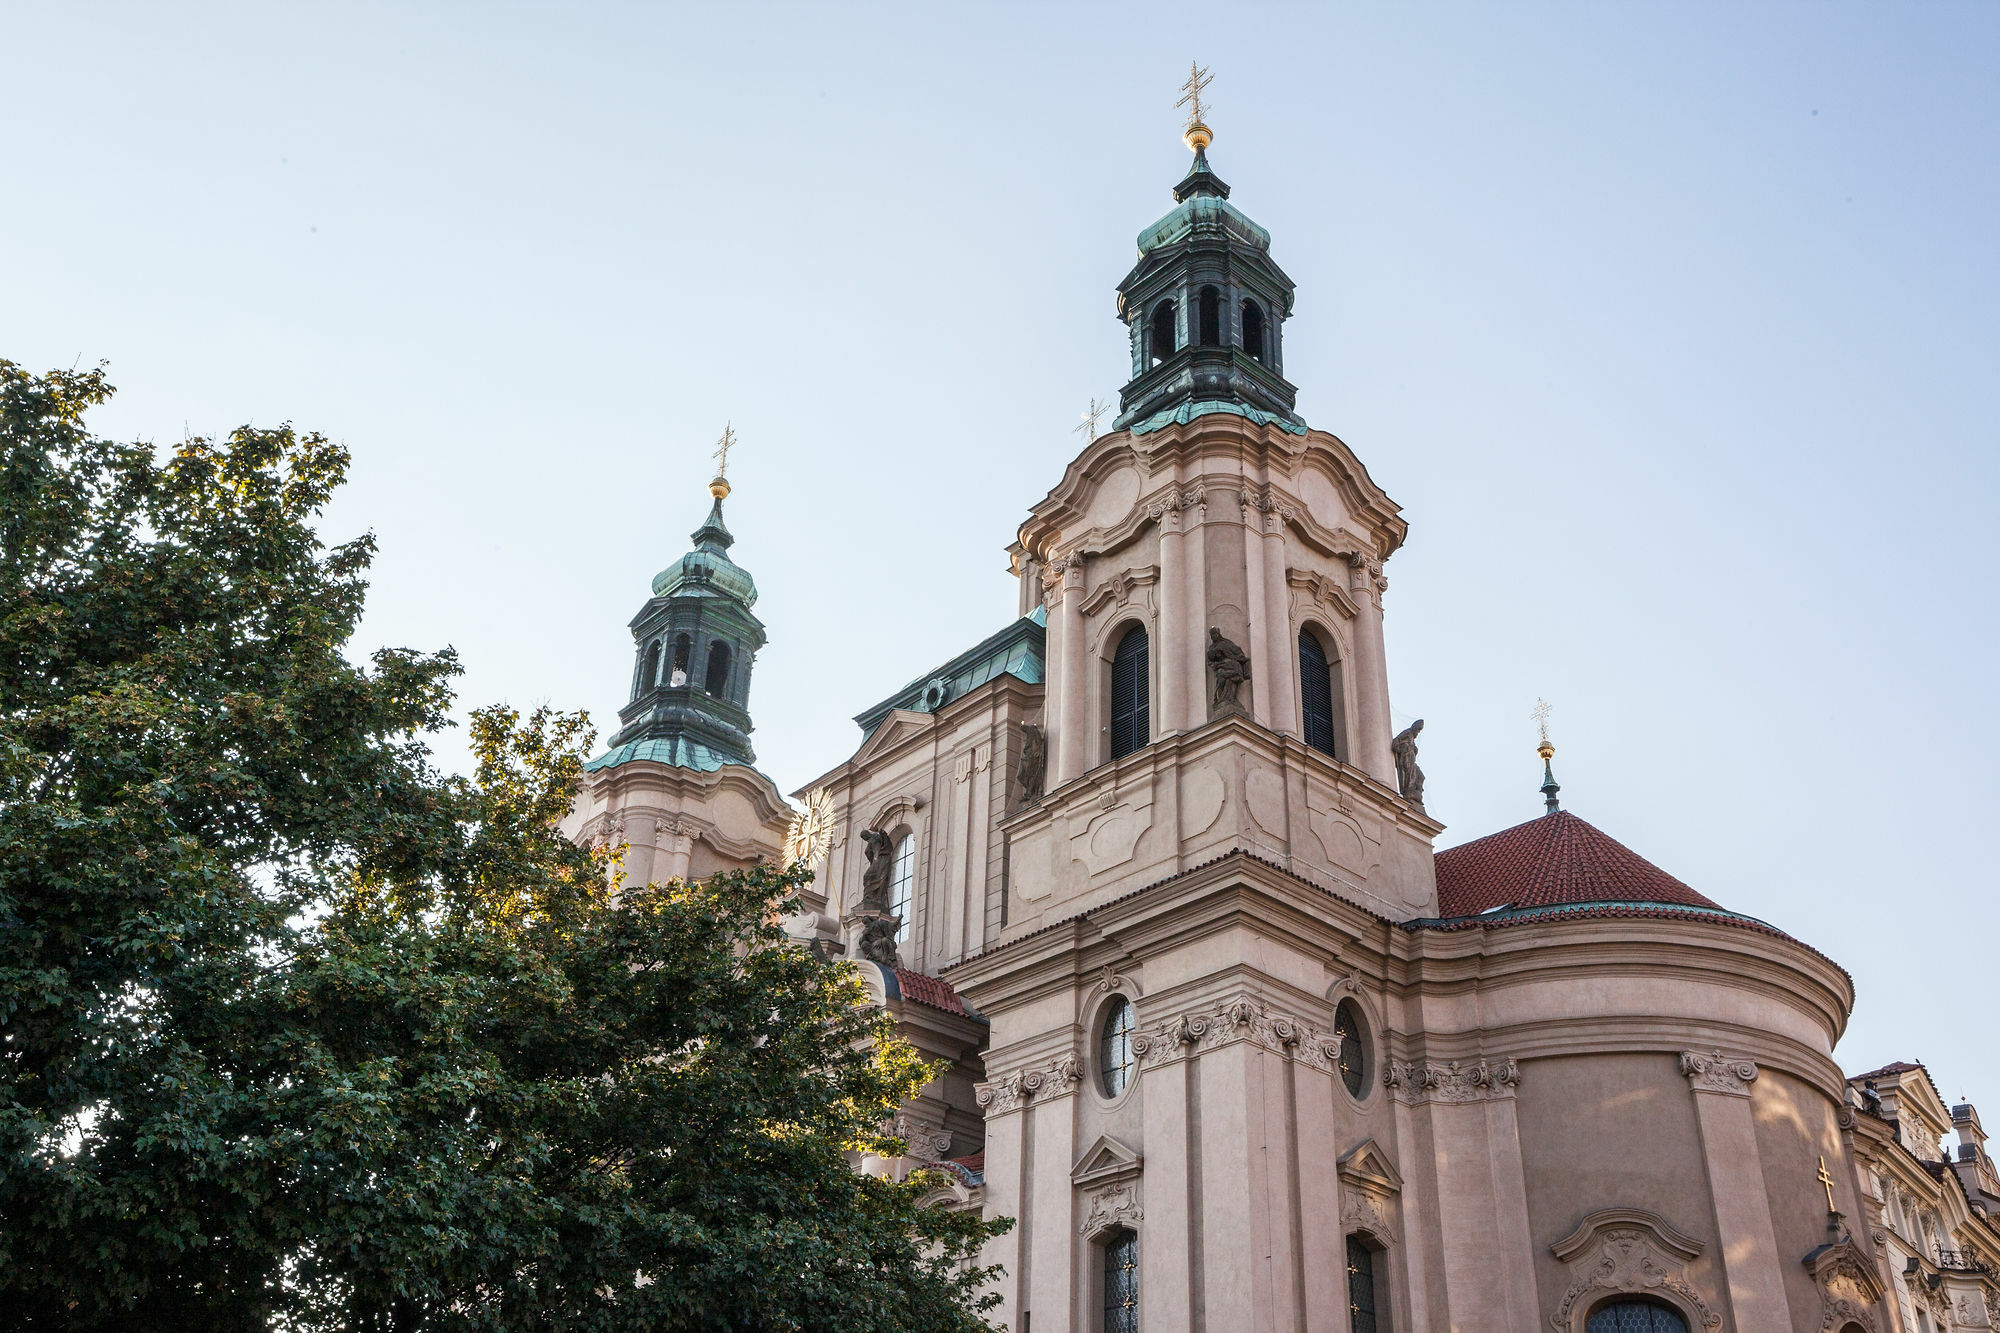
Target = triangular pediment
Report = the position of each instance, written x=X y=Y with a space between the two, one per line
x=1366 y=1164
x=900 y=725
x=1106 y=1159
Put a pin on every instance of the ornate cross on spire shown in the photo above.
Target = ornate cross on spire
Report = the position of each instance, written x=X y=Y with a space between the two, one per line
x=1540 y=713
x=1196 y=131
x=1091 y=416
x=722 y=448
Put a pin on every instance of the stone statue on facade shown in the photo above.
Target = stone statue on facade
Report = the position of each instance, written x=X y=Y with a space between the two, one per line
x=878 y=941
x=1033 y=769
x=1232 y=667
x=1409 y=778
x=881 y=853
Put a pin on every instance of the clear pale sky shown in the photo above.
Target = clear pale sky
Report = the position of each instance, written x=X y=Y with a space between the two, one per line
x=1671 y=327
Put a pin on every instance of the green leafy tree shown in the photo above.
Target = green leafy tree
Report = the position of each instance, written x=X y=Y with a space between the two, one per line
x=297 y=1032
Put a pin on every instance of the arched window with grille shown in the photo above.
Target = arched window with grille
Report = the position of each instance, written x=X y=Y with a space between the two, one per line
x=1210 y=306
x=1114 y=1046
x=1131 y=713
x=1634 y=1316
x=1253 y=329
x=1319 y=695
x=1121 y=1282
x=902 y=882
x=717 y=680
x=1366 y=1310
x=649 y=670
x=1163 y=338
x=1351 y=1048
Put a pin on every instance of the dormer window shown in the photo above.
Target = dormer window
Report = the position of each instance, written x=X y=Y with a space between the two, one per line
x=1162 y=340
x=1211 y=317
x=1253 y=329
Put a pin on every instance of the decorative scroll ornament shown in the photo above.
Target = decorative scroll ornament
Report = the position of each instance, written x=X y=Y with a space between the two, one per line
x=1713 y=1073
x=611 y=828
x=1112 y=1206
x=1424 y=1081
x=1364 y=1211
x=1849 y=1291
x=1621 y=1250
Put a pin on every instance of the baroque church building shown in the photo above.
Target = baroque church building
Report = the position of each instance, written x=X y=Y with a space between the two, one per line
x=1237 y=1048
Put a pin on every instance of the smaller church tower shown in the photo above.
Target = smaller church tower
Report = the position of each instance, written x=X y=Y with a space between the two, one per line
x=678 y=785
x=1206 y=306
x=696 y=642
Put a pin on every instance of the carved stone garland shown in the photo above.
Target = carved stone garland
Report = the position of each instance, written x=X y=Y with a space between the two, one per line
x=1013 y=1091
x=1112 y=1206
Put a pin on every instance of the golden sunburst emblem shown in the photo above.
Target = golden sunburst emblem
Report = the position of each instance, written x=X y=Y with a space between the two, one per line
x=811 y=833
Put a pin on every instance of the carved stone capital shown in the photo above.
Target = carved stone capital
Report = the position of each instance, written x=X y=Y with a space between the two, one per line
x=1232 y=1019
x=1715 y=1073
x=924 y=1143
x=1416 y=1082
x=1058 y=1078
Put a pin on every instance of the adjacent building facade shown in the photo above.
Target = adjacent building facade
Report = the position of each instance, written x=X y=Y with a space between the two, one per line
x=1238 y=1049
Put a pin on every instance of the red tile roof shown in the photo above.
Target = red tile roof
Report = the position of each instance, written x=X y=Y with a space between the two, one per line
x=1555 y=860
x=931 y=991
x=1898 y=1067
x=972 y=1161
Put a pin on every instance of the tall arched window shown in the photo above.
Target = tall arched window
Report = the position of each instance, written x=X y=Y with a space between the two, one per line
x=1121 y=1282
x=1211 y=317
x=1317 y=695
x=1162 y=341
x=649 y=673
x=1253 y=329
x=1634 y=1316
x=1131 y=718
x=1114 y=1046
x=683 y=650
x=717 y=679
x=1352 y=1053
x=902 y=881
x=1364 y=1306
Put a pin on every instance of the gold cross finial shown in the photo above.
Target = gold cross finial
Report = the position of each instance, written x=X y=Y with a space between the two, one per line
x=1540 y=714
x=719 y=488
x=1091 y=415
x=1827 y=1181
x=1196 y=132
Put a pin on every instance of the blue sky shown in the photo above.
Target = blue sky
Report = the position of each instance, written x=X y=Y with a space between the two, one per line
x=1672 y=329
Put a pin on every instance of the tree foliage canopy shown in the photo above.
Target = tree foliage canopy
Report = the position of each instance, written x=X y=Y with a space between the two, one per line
x=298 y=1032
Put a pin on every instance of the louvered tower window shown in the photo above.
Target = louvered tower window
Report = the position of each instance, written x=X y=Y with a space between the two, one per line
x=1316 y=694
x=1131 y=717
x=1121 y=1282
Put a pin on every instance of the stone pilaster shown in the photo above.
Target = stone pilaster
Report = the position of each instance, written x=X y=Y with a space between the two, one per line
x=1749 y=1249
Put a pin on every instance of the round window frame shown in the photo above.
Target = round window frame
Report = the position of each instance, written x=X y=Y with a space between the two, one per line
x=1370 y=1066
x=1098 y=1070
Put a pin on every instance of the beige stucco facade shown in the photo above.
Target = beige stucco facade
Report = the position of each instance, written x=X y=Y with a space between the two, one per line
x=1514 y=1115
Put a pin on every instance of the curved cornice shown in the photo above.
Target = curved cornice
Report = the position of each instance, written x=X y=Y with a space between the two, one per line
x=1172 y=461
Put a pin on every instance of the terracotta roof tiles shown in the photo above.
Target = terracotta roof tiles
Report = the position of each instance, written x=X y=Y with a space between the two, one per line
x=1555 y=860
x=936 y=993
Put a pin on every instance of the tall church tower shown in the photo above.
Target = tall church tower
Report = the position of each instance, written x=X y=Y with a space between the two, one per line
x=677 y=784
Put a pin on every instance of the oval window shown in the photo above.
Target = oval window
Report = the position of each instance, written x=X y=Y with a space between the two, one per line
x=1351 y=1051
x=1114 y=1047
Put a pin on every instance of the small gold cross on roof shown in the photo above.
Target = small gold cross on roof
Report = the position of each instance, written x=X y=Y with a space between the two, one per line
x=722 y=448
x=1198 y=79
x=1091 y=415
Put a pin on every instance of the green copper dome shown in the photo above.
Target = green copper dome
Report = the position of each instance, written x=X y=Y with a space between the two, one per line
x=707 y=570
